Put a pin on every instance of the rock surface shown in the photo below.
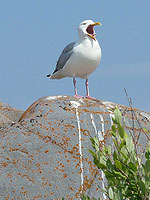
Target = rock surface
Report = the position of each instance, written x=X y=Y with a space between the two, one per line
x=45 y=155
x=8 y=115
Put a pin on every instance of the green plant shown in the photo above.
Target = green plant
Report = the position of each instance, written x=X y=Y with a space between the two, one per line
x=127 y=177
x=85 y=197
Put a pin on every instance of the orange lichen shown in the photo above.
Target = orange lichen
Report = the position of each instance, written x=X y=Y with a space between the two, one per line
x=61 y=170
x=52 y=129
x=51 y=111
x=71 y=188
x=86 y=132
x=4 y=164
x=24 y=151
x=65 y=175
x=11 y=149
x=37 y=196
x=9 y=175
x=46 y=151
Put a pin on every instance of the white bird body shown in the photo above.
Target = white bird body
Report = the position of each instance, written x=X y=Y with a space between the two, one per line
x=84 y=59
x=79 y=59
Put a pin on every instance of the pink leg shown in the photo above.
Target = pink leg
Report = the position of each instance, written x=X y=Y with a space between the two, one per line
x=87 y=88
x=75 y=89
x=87 y=91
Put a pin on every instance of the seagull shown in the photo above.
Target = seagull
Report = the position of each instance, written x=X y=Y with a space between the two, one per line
x=81 y=58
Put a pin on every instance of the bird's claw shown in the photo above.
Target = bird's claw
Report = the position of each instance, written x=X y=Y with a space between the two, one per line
x=89 y=97
x=78 y=96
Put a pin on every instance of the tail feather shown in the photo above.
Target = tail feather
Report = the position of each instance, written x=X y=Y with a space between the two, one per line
x=56 y=75
x=49 y=75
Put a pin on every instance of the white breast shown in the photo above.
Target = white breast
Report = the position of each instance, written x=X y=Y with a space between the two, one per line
x=84 y=60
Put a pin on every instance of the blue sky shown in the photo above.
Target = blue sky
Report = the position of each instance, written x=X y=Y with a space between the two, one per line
x=34 y=32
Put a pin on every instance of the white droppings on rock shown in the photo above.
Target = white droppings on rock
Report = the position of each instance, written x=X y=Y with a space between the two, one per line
x=75 y=104
x=111 y=116
x=102 y=123
x=101 y=138
x=81 y=100
x=101 y=133
x=54 y=97
x=93 y=123
x=147 y=116
x=108 y=104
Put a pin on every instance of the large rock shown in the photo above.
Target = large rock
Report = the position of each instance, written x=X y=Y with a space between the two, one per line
x=8 y=115
x=45 y=155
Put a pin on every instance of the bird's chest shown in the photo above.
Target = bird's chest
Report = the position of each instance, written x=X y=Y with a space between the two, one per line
x=84 y=60
x=88 y=54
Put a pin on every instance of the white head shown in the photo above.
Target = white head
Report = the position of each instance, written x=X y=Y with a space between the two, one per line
x=86 y=29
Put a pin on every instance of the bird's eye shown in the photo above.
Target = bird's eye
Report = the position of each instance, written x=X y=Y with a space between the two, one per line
x=83 y=23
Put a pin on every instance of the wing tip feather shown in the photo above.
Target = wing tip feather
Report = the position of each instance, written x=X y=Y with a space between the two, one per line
x=48 y=75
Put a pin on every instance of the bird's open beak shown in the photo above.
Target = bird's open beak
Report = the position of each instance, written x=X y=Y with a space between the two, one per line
x=96 y=23
x=92 y=36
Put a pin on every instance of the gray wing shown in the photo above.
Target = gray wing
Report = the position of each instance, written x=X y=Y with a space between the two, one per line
x=65 y=55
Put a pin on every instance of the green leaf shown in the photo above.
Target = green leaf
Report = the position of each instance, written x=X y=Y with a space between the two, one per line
x=148 y=146
x=147 y=166
x=145 y=129
x=132 y=166
x=118 y=164
x=130 y=144
x=105 y=149
x=109 y=164
x=115 y=155
x=98 y=155
x=124 y=153
x=147 y=181
x=115 y=142
x=122 y=144
x=110 y=192
x=118 y=115
x=114 y=120
x=113 y=128
x=95 y=161
x=109 y=175
x=96 y=143
x=93 y=153
x=121 y=130
x=114 y=134
x=109 y=150
x=102 y=160
x=119 y=174
x=117 y=195
x=85 y=197
x=120 y=194
x=142 y=186
x=147 y=155
x=93 y=142
x=101 y=166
